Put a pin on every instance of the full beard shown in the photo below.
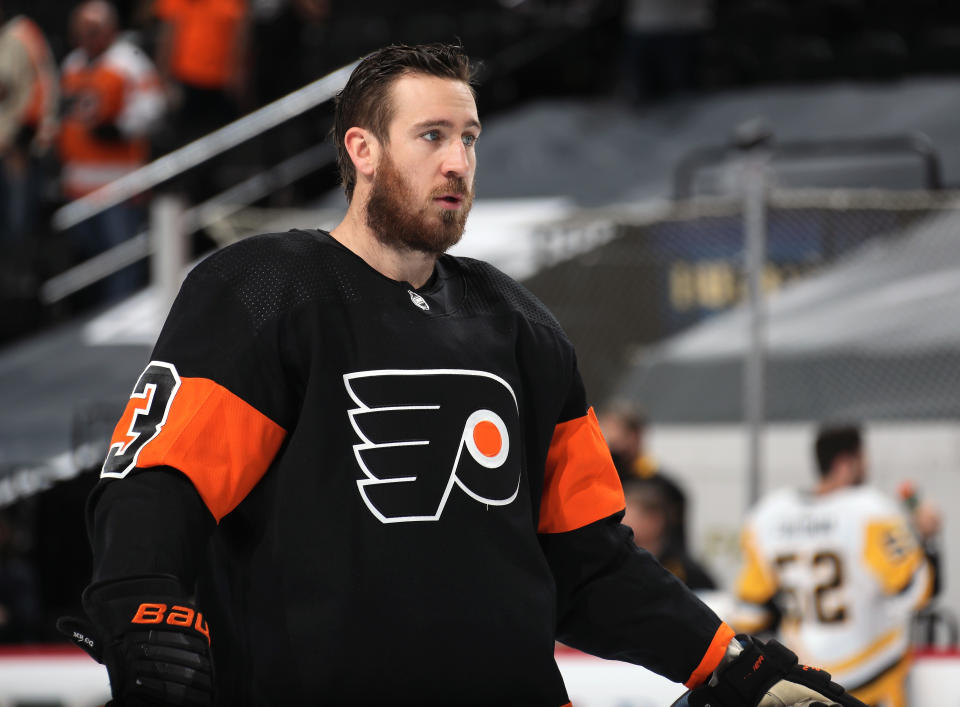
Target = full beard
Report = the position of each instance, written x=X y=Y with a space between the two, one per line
x=430 y=229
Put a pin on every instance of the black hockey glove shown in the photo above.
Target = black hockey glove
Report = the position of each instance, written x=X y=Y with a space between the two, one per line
x=754 y=674
x=156 y=645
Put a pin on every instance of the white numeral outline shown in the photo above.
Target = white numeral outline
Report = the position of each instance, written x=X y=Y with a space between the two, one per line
x=149 y=393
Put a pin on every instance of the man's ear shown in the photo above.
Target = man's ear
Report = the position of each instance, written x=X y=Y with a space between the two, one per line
x=364 y=150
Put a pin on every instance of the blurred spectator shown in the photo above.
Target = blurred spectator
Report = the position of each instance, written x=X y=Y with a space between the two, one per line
x=663 y=45
x=623 y=427
x=839 y=572
x=112 y=100
x=203 y=56
x=656 y=505
x=28 y=122
x=20 y=614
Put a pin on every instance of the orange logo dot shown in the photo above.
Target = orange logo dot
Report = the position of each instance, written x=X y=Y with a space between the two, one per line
x=487 y=438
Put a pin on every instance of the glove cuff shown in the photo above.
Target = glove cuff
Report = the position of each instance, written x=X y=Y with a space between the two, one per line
x=742 y=678
x=754 y=673
x=149 y=602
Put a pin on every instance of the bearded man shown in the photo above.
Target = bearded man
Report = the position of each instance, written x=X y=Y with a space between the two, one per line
x=376 y=464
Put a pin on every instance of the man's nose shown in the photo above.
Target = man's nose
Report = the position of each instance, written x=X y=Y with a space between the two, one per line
x=455 y=160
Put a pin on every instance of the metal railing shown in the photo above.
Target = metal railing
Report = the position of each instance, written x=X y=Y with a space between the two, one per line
x=179 y=161
x=198 y=217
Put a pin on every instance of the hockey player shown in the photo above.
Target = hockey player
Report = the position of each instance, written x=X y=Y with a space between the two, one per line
x=842 y=571
x=376 y=464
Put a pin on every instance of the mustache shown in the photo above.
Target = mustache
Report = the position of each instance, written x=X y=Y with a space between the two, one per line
x=454 y=185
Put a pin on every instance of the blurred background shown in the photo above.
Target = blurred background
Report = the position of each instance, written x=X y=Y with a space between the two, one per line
x=743 y=213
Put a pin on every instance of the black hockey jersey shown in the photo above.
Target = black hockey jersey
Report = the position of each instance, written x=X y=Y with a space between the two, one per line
x=406 y=496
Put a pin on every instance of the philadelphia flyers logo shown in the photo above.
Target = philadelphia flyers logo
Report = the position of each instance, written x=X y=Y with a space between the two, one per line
x=147 y=413
x=424 y=433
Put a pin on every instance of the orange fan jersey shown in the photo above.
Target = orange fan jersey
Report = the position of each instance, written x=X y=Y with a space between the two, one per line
x=205 y=36
x=120 y=89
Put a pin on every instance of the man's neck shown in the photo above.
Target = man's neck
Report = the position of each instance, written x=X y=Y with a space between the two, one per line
x=405 y=265
x=829 y=484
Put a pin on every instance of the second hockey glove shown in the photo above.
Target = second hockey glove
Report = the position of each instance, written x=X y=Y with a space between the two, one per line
x=155 y=644
x=754 y=674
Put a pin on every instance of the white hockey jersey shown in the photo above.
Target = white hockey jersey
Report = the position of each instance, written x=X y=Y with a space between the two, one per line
x=846 y=572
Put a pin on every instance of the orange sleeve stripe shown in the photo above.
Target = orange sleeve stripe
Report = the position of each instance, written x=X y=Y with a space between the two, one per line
x=713 y=656
x=221 y=442
x=581 y=484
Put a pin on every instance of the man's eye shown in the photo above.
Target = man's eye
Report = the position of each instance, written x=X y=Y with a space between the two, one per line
x=431 y=135
x=469 y=140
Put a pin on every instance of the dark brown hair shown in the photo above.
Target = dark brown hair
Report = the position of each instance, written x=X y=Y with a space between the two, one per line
x=834 y=441
x=364 y=101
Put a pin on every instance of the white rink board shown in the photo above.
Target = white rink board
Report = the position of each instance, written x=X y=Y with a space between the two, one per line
x=60 y=676
x=935 y=681
x=592 y=682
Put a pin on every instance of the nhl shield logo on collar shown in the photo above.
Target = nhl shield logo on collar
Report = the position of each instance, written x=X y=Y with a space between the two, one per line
x=418 y=300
